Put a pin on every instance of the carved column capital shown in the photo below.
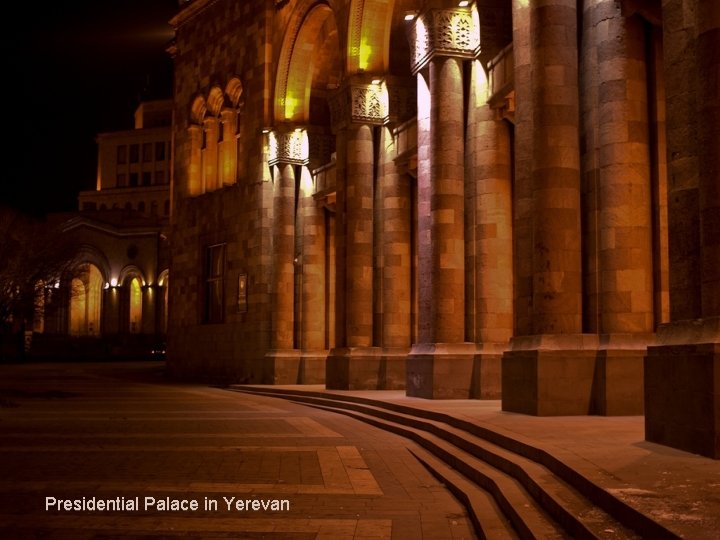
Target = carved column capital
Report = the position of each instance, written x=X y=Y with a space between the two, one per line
x=444 y=32
x=373 y=100
x=311 y=145
x=361 y=99
x=288 y=144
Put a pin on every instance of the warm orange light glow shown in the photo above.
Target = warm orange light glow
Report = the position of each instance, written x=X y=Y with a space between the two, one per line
x=135 y=306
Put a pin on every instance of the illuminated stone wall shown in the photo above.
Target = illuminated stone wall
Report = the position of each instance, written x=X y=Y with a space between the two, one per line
x=460 y=200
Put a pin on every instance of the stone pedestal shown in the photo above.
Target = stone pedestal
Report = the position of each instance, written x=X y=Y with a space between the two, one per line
x=618 y=383
x=682 y=387
x=453 y=371
x=356 y=368
x=574 y=374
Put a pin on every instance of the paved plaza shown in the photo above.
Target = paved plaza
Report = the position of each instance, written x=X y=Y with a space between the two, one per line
x=116 y=450
x=118 y=433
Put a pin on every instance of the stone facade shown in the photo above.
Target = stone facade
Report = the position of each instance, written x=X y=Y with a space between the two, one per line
x=476 y=200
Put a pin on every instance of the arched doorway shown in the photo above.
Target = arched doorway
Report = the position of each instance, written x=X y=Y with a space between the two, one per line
x=86 y=302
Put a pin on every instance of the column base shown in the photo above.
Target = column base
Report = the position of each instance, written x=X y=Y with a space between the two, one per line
x=618 y=384
x=292 y=366
x=575 y=374
x=549 y=375
x=453 y=371
x=365 y=368
x=682 y=387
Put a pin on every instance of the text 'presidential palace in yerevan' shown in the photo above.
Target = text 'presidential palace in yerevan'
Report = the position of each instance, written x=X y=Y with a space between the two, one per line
x=492 y=199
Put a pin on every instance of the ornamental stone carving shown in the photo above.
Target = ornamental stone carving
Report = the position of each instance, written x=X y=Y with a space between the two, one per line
x=378 y=102
x=444 y=32
x=288 y=147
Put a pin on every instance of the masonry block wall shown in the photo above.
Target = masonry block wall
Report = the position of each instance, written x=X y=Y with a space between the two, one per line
x=484 y=201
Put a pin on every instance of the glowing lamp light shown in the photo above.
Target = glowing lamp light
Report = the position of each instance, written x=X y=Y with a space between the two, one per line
x=464 y=3
x=376 y=81
x=113 y=282
x=410 y=16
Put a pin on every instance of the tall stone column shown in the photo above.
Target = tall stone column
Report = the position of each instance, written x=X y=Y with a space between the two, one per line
x=195 y=135
x=210 y=162
x=441 y=365
x=313 y=301
x=359 y=105
x=682 y=389
x=228 y=147
x=489 y=243
x=551 y=371
x=282 y=362
x=619 y=293
x=395 y=224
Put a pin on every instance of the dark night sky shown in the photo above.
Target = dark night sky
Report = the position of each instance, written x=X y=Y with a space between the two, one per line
x=73 y=70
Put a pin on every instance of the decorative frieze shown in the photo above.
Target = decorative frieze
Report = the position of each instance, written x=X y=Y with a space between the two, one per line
x=444 y=32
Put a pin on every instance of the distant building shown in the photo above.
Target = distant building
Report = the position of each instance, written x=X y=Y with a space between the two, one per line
x=121 y=228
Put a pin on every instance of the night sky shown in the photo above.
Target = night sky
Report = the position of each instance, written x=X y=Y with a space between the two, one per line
x=73 y=70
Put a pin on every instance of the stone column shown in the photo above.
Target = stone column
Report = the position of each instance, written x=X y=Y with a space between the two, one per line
x=228 y=147
x=313 y=302
x=195 y=176
x=682 y=389
x=283 y=256
x=441 y=365
x=551 y=372
x=489 y=242
x=282 y=362
x=617 y=203
x=708 y=47
x=210 y=163
x=357 y=107
x=395 y=226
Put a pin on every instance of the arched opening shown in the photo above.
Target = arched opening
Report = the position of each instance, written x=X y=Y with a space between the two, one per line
x=86 y=302
x=135 y=315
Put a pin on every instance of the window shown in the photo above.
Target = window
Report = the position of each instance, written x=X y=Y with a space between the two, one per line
x=146 y=178
x=121 y=180
x=141 y=207
x=159 y=177
x=133 y=179
x=122 y=153
x=147 y=151
x=160 y=151
x=134 y=153
x=214 y=284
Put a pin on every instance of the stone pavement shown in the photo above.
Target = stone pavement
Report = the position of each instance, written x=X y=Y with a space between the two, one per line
x=122 y=430
x=116 y=434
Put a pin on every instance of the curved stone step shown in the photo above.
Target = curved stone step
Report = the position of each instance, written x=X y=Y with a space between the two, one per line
x=602 y=501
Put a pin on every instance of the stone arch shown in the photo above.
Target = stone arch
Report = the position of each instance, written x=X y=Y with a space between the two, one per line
x=88 y=253
x=369 y=27
x=309 y=59
x=215 y=101
x=234 y=91
x=130 y=271
x=198 y=110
